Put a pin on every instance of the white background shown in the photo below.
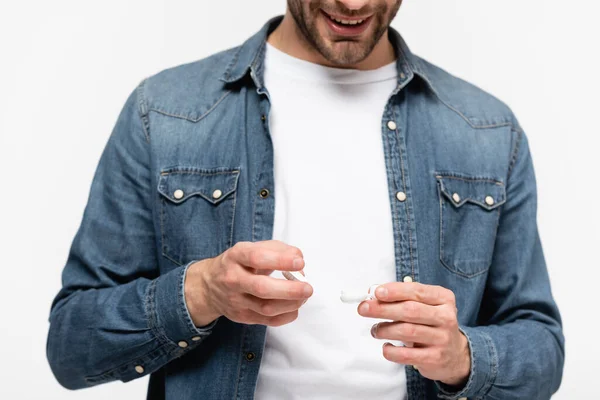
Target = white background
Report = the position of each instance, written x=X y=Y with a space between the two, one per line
x=66 y=68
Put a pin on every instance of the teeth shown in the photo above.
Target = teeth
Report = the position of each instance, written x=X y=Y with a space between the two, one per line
x=345 y=22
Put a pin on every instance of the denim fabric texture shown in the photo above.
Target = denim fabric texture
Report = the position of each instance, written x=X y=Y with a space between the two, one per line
x=467 y=222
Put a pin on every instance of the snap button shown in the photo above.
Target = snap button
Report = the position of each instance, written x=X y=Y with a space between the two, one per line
x=402 y=76
x=456 y=197
x=401 y=196
x=139 y=369
x=196 y=338
x=391 y=125
x=250 y=356
x=183 y=344
x=216 y=194
x=489 y=200
x=407 y=278
x=264 y=193
x=178 y=194
x=263 y=118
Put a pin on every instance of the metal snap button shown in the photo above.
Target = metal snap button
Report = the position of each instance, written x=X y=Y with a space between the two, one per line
x=178 y=194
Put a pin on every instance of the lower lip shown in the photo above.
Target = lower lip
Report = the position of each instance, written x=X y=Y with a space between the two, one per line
x=347 y=30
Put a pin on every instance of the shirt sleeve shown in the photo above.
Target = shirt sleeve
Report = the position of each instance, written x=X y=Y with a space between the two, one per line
x=517 y=347
x=116 y=317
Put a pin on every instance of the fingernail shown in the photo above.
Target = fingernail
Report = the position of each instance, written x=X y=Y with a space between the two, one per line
x=381 y=292
x=364 y=308
x=374 y=330
x=307 y=290
x=387 y=343
x=298 y=263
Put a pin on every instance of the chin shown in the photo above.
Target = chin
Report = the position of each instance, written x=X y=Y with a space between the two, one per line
x=345 y=54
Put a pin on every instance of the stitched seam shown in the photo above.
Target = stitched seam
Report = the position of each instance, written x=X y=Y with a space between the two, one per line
x=114 y=372
x=158 y=330
x=182 y=306
x=253 y=218
x=488 y=126
x=453 y=270
x=142 y=110
x=412 y=264
x=232 y=63
x=441 y=228
x=515 y=153
x=469 y=199
x=163 y=246
x=162 y=226
x=257 y=61
x=201 y=194
x=192 y=119
x=167 y=172
x=472 y=201
x=164 y=250
x=240 y=361
x=453 y=176
x=494 y=364
x=468 y=120
x=389 y=164
x=232 y=219
x=168 y=257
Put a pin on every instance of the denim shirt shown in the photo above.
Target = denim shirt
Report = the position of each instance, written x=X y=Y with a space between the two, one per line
x=462 y=195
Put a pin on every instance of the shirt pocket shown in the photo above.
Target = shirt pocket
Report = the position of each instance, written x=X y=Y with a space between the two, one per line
x=197 y=208
x=469 y=215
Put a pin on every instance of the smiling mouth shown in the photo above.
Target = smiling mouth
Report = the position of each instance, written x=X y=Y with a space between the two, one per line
x=347 y=21
x=346 y=26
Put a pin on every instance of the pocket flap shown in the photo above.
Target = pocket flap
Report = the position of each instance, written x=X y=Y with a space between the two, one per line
x=487 y=193
x=177 y=184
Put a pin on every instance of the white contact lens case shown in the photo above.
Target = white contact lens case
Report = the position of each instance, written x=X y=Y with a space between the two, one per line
x=350 y=296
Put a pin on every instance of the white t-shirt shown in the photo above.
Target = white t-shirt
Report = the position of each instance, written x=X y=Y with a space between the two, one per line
x=332 y=202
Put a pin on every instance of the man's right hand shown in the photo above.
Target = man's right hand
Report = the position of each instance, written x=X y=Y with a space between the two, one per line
x=237 y=285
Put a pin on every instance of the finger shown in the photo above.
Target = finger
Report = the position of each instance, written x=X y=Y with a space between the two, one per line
x=266 y=287
x=404 y=311
x=253 y=318
x=402 y=291
x=261 y=256
x=271 y=308
x=278 y=245
x=408 y=333
x=283 y=319
x=408 y=355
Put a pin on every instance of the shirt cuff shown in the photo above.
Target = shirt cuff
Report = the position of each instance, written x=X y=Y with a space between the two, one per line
x=484 y=367
x=169 y=315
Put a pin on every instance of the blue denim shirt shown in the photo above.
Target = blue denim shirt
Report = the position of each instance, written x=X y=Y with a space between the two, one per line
x=467 y=222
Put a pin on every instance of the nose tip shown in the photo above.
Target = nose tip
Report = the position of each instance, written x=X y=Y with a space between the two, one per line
x=354 y=4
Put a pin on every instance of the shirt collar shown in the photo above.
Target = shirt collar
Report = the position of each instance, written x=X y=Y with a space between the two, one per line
x=249 y=58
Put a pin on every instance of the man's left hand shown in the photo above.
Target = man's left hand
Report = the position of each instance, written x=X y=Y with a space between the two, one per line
x=426 y=317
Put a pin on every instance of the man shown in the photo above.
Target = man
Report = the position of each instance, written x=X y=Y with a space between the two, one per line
x=320 y=145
